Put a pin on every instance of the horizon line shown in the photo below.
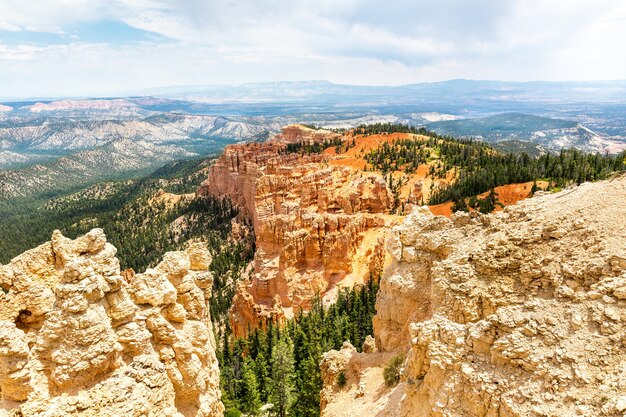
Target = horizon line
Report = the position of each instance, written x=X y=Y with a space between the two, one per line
x=151 y=91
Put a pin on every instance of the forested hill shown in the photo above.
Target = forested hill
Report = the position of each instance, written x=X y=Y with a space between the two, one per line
x=117 y=206
x=478 y=167
x=143 y=218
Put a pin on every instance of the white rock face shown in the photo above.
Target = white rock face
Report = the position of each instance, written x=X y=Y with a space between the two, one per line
x=77 y=337
x=515 y=314
x=518 y=313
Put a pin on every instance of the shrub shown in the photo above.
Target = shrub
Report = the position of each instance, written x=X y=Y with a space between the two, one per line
x=391 y=372
x=341 y=379
x=233 y=412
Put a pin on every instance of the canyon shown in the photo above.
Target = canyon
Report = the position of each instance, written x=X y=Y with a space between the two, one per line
x=78 y=336
x=514 y=313
x=320 y=218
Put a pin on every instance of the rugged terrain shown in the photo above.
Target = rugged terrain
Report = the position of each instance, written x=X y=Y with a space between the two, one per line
x=48 y=155
x=547 y=134
x=80 y=337
x=320 y=217
x=515 y=313
x=317 y=225
x=117 y=159
x=45 y=134
x=511 y=314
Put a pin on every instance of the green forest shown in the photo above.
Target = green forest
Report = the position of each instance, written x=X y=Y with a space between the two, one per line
x=28 y=222
x=141 y=230
x=280 y=365
x=479 y=168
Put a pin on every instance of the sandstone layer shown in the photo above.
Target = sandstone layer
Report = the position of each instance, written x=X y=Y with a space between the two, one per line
x=80 y=337
x=317 y=225
x=517 y=313
x=320 y=218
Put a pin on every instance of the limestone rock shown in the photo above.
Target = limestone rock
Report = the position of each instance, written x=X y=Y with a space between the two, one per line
x=79 y=338
x=369 y=345
x=517 y=313
x=318 y=226
x=305 y=135
x=332 y=364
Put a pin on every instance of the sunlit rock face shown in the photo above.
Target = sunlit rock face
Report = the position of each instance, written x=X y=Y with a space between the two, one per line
x=517 y=313
x=78 y=337
x=318 y=225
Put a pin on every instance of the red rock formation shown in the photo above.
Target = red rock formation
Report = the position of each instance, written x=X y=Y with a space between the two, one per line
x=317 y=226
x=304 y=135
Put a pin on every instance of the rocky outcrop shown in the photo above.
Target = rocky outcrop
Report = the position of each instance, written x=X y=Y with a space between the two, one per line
x=353 y=382
x=317 y=225
x=518 y=313
x=334 y=363
x=305 y=135
x=320 y=220
x=77 y=337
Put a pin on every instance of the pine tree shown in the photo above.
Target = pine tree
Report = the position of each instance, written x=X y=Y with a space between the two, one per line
x=248 y=390
x=281 y=394
x=460 y=205
x=262 y=376
x=308 y=386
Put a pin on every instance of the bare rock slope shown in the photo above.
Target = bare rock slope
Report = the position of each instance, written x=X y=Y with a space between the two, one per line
x=79 y=337
x=518 y=313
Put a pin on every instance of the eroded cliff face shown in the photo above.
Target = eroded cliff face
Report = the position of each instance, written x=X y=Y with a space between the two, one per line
x=80 y=337
x=318 y=225
x=518 y=313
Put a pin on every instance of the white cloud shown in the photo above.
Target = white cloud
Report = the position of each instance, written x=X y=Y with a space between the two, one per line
x=352 y=41
x=9 y=27
x=19 y=52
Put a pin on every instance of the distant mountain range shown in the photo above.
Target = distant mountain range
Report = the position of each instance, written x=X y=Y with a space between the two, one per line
x=79 y=140
x=473 y=96
x=441 y=92
x=545 y=133
x=23 y=140
x=113 y=160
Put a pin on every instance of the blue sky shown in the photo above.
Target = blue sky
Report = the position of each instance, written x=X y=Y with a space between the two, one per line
x=106 y=47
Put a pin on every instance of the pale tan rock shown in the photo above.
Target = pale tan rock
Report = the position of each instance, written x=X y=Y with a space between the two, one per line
x=153 y=288
x=332 y=364
x=369 y=345
x=14 y=366
x=77 y=338
x=518 y=313
x=364 y=392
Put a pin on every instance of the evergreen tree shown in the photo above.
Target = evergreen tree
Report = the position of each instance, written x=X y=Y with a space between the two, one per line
x=535 y=188
x=308 y=387
x=459 y=205
x=262 y=376
x=248 y=390
x=281 y=394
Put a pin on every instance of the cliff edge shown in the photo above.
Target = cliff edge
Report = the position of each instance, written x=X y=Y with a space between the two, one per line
x=517 y=313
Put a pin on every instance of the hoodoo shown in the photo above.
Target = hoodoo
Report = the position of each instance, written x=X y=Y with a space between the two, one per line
x=79 y=337
x=317 y=223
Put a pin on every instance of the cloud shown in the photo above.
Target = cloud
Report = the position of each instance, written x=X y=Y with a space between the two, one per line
x=9 y=27
x=353 y=41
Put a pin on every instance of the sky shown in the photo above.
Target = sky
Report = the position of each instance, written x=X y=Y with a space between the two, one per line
x=108 y=47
